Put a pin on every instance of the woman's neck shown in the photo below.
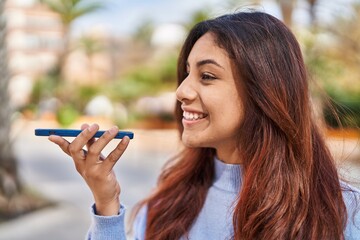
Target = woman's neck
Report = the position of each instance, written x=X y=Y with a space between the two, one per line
x=228 y=154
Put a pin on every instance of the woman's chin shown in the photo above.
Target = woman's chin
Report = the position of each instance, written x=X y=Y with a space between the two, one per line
x=192 y=142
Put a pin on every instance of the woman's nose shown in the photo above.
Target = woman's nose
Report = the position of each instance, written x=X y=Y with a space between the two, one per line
x=186 y=91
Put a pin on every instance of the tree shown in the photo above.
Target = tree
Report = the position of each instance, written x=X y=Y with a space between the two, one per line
x=345 y=90
x=346 y=31
x=312 y=5
x=198 y=16
x=69 y=11
x=287 y=7
x=144 y=32
x=9 y=181
x=90 y=45
x=15 y=198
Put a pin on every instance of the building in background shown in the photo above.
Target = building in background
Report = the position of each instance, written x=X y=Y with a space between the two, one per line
x=34 y=41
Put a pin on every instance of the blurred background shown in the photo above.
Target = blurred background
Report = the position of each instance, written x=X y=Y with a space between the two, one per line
x=65 y=62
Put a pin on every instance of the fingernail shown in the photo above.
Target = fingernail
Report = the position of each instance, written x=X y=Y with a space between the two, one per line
x=92 y=127
x=113 y=130
x=125 y=140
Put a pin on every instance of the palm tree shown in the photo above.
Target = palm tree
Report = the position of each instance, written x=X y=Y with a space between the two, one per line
x=90 y=46
x=69 y=11
x=9 y=181
x=144 y=32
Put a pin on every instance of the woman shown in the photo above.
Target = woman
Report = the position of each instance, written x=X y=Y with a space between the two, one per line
x=254 y=164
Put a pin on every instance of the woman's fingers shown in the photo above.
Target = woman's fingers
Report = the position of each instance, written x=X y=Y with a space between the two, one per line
x=61 y=142
x=114 y=156
x=64 y=145
x=94 y=151
x=84 y=126
x=76 y=147
x=92 y=140
x=95 y=147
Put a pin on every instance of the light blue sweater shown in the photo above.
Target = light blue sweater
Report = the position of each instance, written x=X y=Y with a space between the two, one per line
x=215 y=218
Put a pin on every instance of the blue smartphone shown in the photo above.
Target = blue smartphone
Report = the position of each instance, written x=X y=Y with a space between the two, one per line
x=75 y=132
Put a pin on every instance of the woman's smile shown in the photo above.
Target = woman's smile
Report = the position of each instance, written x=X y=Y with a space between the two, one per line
x=192 y=117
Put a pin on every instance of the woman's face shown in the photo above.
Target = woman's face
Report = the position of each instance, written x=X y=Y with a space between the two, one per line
x=212 y=107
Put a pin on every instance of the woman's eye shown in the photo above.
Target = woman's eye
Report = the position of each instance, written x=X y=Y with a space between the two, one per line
x=206 y=76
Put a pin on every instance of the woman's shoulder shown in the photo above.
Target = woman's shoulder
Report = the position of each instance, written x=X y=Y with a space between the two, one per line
x=351 y=196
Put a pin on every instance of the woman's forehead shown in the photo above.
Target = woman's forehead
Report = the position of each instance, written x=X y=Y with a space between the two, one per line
x=205 y=48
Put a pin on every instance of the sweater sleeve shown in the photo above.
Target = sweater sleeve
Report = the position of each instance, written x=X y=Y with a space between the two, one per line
x=113 y=227
x=107 y=227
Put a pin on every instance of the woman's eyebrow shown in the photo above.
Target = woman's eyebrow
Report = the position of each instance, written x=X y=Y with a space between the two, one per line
x=204 y=62
x=208 y=61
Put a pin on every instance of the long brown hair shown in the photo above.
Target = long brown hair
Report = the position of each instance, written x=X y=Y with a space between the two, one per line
x=290 y=187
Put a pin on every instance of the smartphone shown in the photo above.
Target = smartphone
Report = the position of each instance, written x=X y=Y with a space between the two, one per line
x=75 y=132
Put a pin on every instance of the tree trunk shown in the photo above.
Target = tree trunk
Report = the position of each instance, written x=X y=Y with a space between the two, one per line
x=287 y=7
x=312 y=5
x=9 y=181
x=59 y=69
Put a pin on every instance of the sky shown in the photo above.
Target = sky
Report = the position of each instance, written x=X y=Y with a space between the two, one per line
x=121 y=17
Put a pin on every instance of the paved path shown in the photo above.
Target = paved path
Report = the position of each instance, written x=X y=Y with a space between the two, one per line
x=46 y=169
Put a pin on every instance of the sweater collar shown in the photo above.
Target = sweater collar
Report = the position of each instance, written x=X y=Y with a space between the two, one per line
x=227 y=176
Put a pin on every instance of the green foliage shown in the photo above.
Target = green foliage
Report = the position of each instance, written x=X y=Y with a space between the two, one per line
x=140 y=81
x=73 y=97
x=85 y=94
x=144 y=32
x=344 y=111
x=44 y=87
x=76 y=95
x=145 y=80
x=90 y=45
x=168 y=70
x=198 y=16
x=128 y=89
x=69 y=10
x=327 y=65
x=67 y=114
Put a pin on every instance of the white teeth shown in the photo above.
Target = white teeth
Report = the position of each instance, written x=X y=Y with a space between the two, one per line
x=193 y=116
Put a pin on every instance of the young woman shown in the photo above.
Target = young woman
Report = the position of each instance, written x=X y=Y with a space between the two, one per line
x=254 y=165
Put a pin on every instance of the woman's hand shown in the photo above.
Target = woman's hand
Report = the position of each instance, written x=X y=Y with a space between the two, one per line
x=96 y=169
